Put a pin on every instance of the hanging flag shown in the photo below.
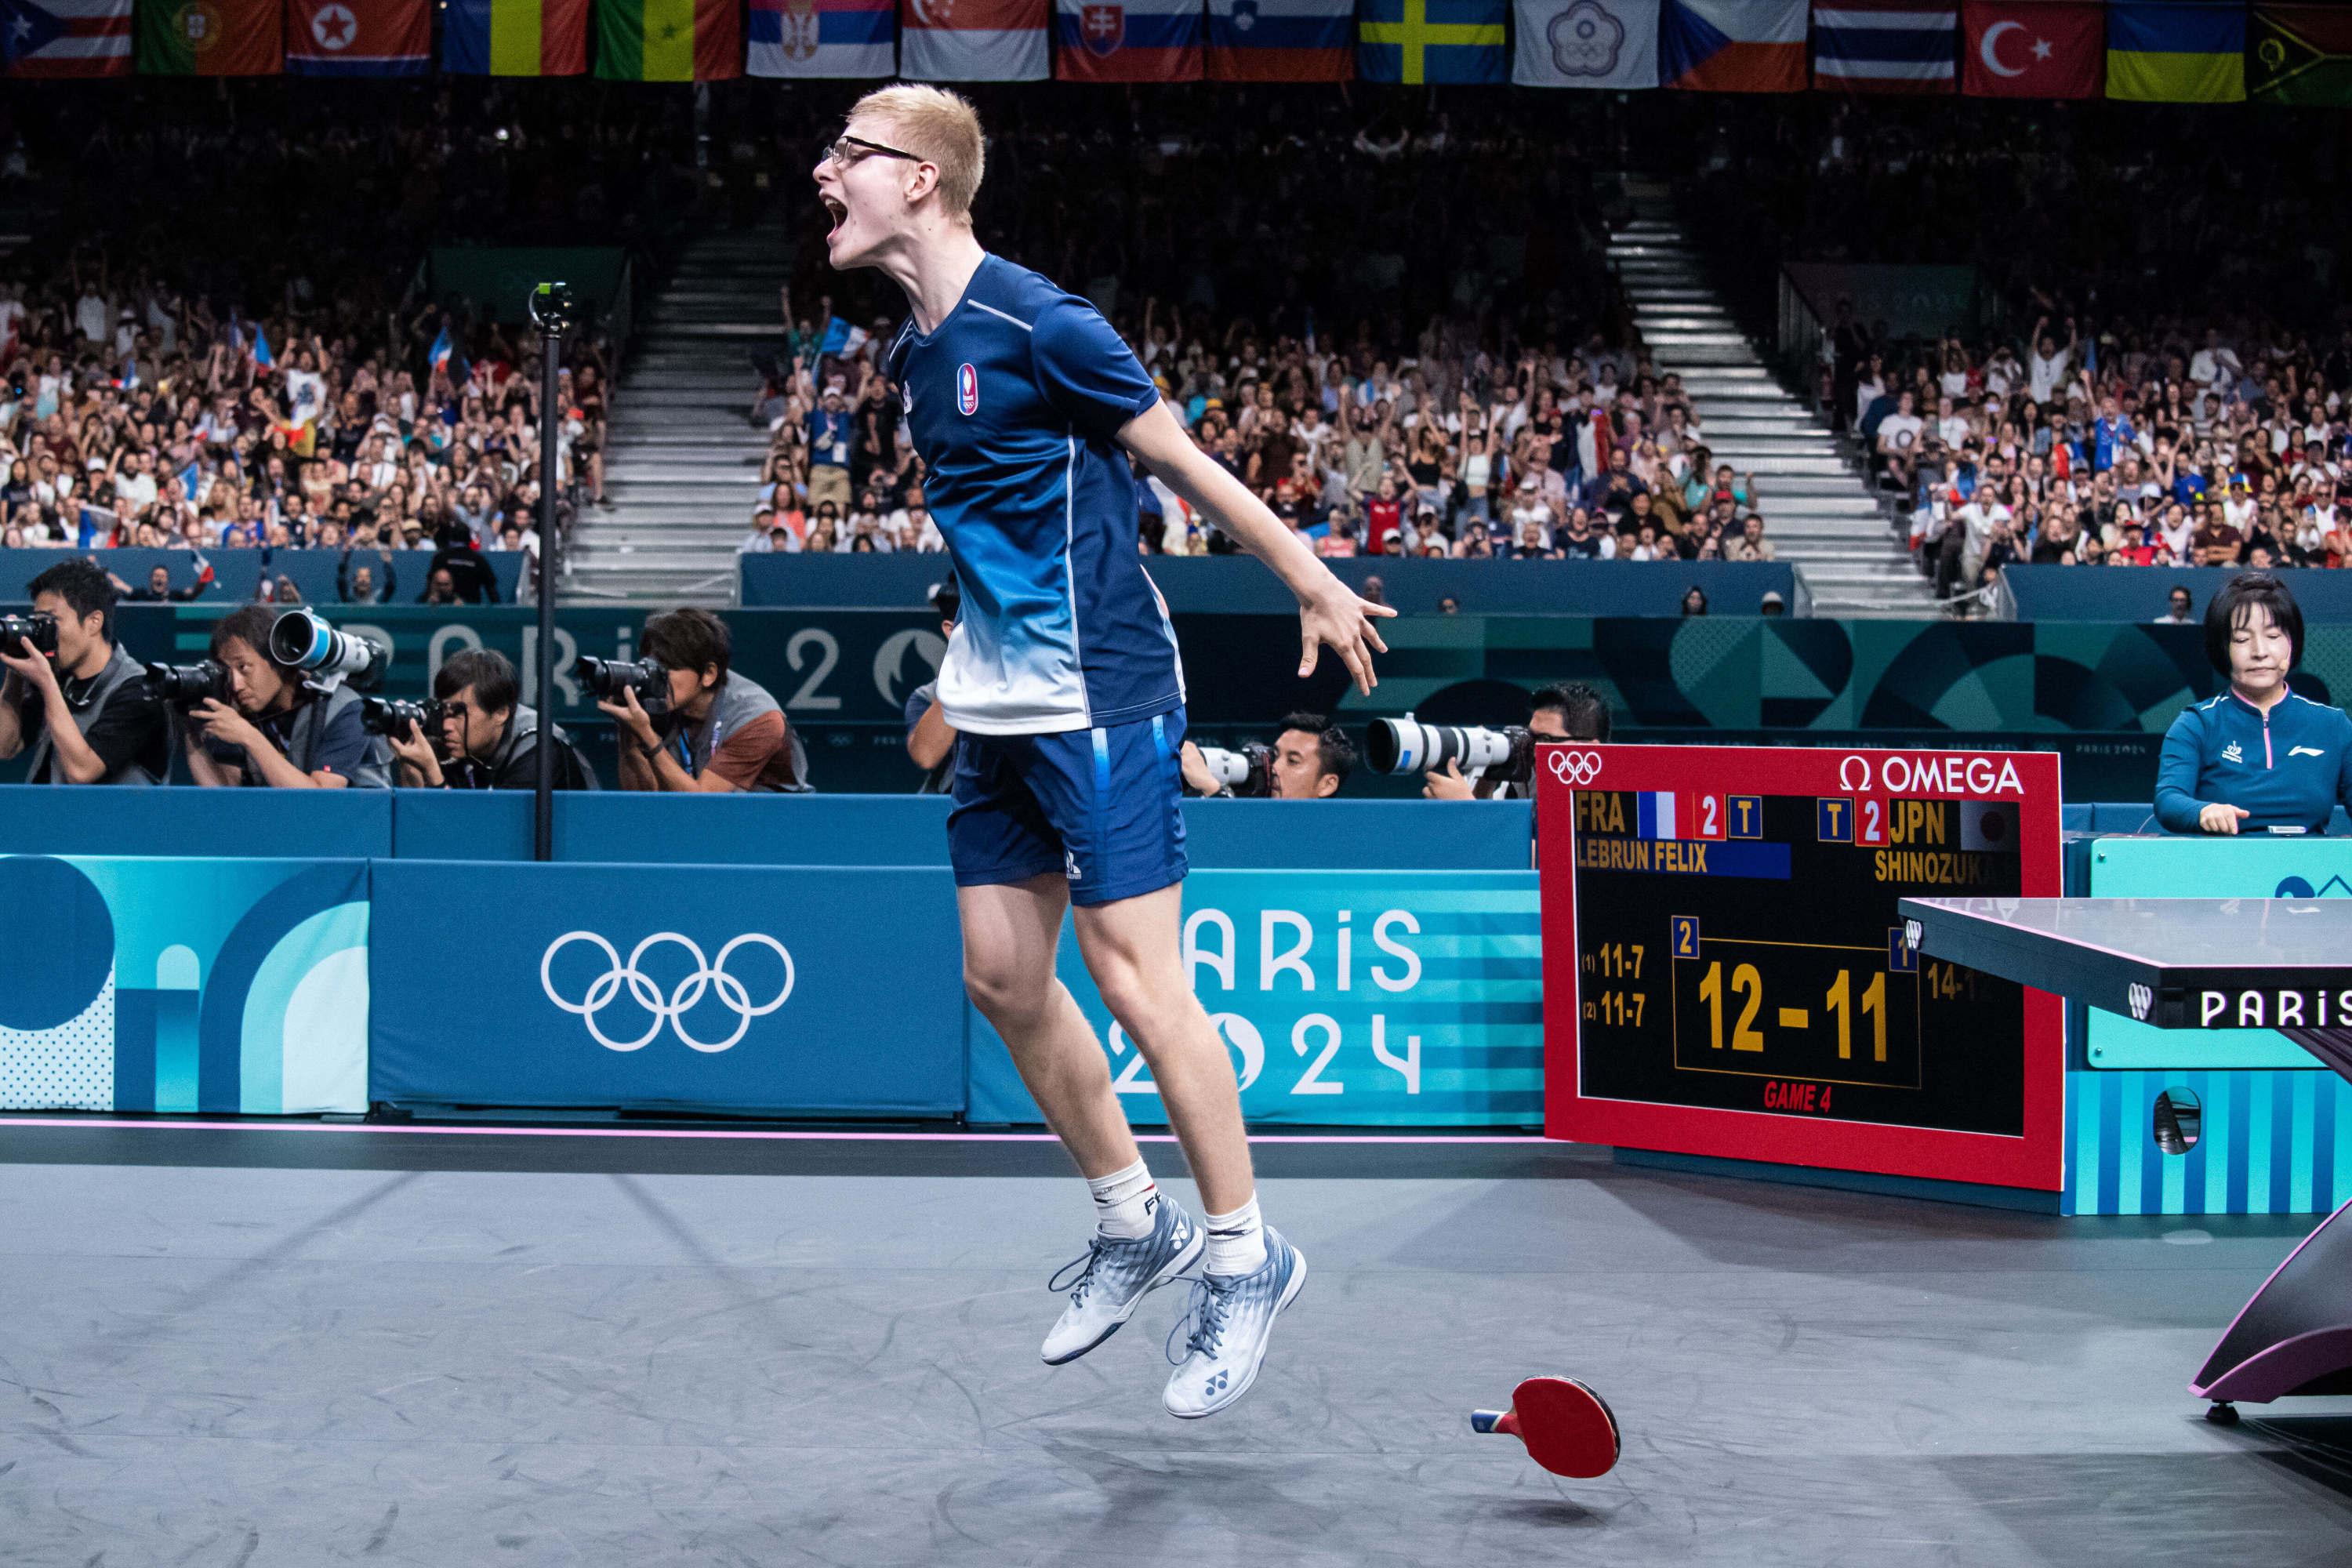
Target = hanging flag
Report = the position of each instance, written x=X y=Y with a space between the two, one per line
x=1885 y=46
x=2302 y=55
x=358 y=38
x=1607 y=44
x=824 y=38
x=2177 y=52
x=211 y=37
x=1119 y=40
x=1282 y=40
x=669 y=40
x=2032 y=49
x=515 y=37
x=1455 y=41
x=975 y=40
x=65 y=37
x=1733 y=45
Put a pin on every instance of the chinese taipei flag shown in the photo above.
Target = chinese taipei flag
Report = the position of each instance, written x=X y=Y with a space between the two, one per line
x=1118 y=40
x=2032 y=49
x=358 y=38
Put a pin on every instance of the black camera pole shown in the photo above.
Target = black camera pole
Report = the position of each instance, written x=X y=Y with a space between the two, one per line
x=551 y=313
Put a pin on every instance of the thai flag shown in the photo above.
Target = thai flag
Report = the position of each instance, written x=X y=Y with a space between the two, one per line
x=1655 y=815
x=824 y=38
x=1886 y=46
x=1282 y=40
x=1115 y=40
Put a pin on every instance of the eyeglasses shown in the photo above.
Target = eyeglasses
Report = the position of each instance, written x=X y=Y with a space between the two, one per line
x=848 y=150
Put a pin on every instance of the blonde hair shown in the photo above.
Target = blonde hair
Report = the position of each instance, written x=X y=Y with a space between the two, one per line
x=941 y=125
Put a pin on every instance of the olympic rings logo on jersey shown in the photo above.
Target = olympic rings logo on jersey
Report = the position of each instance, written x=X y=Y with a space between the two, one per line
x=967 y=389
x=1575 y=768
x=709 y=974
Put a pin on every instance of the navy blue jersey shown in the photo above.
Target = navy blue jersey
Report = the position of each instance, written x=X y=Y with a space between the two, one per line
x=2289 y=767
x=1016 y=402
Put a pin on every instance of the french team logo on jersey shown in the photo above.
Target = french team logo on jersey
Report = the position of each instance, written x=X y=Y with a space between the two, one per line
x=967 y=389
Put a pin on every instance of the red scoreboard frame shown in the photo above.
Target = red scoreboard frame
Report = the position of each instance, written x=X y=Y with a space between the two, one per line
x=1871 y=781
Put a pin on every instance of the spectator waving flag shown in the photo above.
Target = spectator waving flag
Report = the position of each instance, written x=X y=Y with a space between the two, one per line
x=669 y=40
x=1282 y=40
x=824 y=37
x=65 y=37
x=975 y=40
x=2179 y=51
x=2032 y=49
x=1456 y=41
x=515 y=37
x=1733 y=45
x=841 y=337
x=1119 y=40
x=2302 y=55
x=211 y=37
x=261 y=355
x=358 y=38
x=439 y=355
x=1885 y=46
x=1607 y=44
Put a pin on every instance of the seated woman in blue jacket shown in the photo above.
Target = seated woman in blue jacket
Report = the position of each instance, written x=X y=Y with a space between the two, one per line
x=2258 y=758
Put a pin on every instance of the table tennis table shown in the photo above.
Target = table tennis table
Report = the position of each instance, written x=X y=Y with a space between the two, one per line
x=2199 y=963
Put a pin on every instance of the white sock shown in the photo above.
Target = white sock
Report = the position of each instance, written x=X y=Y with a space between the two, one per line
x=1236 y=1241
x=1123 y=1203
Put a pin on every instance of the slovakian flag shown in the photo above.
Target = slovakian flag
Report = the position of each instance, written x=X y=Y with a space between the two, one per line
x=669 y=40
x=1412 y=41
x=2032 y=49
x=1885 y=46
x=1119 y=40
x=65 y=37
x=824 y=38
x=1733 y=45
x=975 y=40
x=358 y=38
x=211 y=37
x=515 y=37
x=1282 y=40
x=1608 y=44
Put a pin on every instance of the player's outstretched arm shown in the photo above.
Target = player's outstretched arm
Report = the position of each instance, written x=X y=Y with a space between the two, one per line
x=1330 y=612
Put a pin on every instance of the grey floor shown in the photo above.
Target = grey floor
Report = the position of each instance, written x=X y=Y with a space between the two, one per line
x=355 y=1347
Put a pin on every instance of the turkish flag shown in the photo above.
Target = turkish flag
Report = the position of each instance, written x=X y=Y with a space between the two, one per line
x=2033 y=48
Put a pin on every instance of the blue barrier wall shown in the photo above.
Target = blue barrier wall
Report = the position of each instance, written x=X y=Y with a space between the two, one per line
x=352 y=824
x=236 y=571
x=1238 y=586
x=2138 y=594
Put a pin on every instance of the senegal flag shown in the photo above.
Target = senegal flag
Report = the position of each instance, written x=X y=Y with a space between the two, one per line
x=211 y=37
x=669 y=40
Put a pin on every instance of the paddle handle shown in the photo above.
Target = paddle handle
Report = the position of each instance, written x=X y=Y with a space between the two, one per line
x=1494 y=1421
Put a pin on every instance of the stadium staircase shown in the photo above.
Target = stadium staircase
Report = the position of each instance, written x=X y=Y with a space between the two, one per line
x=1819 y=512
x=682 y=464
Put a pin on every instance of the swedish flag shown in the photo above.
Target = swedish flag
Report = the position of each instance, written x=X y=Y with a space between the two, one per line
x=1432 y=40
x=2177 y=51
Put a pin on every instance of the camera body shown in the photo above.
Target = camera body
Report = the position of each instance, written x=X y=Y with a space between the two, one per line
x=185 y=685
x=393 y=716
x=608 y=678
x=303 y=638
x=1407 y=745
x=553 y=311
x=1246 y=774
x=36 y=633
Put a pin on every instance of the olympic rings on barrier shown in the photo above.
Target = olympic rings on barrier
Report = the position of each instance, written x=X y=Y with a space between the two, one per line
x=709 y=974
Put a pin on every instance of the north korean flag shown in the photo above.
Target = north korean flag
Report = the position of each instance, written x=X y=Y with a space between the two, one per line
x=2033 y=48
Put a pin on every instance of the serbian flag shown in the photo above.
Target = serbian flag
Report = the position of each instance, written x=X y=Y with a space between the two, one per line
x=668 y=40
x=515 y=37
x=975 y=40
x=824 y=38
x=358 y=38
x=2032 y=49
x=1733 y=45
x=1282 y=40
x=1118 y=40
x=65 y=37
x=1885 y=46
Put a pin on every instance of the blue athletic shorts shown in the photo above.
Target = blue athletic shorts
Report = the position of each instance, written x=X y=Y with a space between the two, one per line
x=1099 y=806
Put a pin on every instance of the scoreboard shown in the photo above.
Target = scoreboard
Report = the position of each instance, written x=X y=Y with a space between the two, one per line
x=1724 y=971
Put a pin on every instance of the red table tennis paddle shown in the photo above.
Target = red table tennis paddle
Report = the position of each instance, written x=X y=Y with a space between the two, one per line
x=1568 y=1428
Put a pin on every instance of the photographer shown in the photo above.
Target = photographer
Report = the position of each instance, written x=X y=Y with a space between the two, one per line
x=281 y=729
x=929 y=740
x=1573 y=711
x=717 y=732
x=488 y=740
x=1309 y=760
x=87 y=715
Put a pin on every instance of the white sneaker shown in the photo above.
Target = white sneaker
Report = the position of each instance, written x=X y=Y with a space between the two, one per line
x=1227 y=1330
x=1116 y=1274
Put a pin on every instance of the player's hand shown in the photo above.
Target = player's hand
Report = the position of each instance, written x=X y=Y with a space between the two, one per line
x=1447 y=783
x=2220 y=818
x=1334 y=615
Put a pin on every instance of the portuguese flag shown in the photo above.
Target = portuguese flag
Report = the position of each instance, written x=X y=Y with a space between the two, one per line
x=211 y=37
x=669 y=40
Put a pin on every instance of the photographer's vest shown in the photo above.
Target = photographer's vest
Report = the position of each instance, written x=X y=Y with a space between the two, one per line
x=740 y=702
x=120 y=670
x=374 y=770
x=511 y=766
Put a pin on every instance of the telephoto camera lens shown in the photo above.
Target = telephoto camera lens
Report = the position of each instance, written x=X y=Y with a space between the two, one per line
x=1248 y=774
x=36 y=633
x=304 y=639
x=1406 y=745
x=185 y=685
x=608 y=678
x=393 y=716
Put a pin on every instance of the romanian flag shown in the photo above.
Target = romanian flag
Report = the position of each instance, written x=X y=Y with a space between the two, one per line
x=2302 y=55
x=1458 y=41
x=211 y=37
x=669 y=40
x=515 y=37
x=2177 y=51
